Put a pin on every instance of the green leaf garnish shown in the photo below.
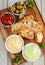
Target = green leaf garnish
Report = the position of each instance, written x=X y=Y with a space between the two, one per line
x=29 y=3
x=16 y=59
x=42 y=45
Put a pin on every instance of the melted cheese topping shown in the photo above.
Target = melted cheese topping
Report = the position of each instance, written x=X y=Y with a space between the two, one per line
x=14 y=43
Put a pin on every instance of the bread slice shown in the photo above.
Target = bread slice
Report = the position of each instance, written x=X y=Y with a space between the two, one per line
x=16 y=27
x=27 y=27
x=26 y=33
x=39 y=37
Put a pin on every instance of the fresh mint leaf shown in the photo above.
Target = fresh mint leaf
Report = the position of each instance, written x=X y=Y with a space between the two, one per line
x=30 y=4
x=17 y=55
x=16 y=59
x=42 y=45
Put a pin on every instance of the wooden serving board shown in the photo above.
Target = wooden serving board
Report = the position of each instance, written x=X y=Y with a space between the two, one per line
x=7 y=31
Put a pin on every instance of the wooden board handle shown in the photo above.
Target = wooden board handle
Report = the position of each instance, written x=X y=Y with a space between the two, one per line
x=3 y=32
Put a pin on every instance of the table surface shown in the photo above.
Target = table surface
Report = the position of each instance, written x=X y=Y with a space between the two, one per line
x=3 y=54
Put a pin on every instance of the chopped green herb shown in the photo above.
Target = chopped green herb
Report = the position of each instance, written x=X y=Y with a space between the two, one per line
x=29 y=3
x=42 y=45
x=16 y=59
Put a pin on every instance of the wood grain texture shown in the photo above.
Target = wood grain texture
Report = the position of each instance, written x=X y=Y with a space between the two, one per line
x=27 y=63
x=3 y=4
x=42 y=10
x=38 y=2
x=40 y=61
x=11 y=2
x=41 y=7
x=3 y=54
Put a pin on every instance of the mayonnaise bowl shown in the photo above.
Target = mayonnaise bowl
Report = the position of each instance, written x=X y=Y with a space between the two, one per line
x=14 y=43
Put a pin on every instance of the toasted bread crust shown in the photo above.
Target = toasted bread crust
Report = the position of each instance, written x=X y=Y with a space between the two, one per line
x=27 y=27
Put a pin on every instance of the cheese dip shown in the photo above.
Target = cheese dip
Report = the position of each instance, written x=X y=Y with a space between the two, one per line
x=14 y=43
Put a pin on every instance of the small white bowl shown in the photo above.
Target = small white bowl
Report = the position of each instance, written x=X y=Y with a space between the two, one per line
x=21 y=13
x=12 y=23
x=11 y=51
x=29 y=51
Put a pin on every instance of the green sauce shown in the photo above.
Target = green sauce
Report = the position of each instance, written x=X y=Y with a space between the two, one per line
x=32 y=52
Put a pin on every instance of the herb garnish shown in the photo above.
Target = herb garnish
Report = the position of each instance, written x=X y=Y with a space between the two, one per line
x=42 y=45
x=29 y=3
x=16 y=59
